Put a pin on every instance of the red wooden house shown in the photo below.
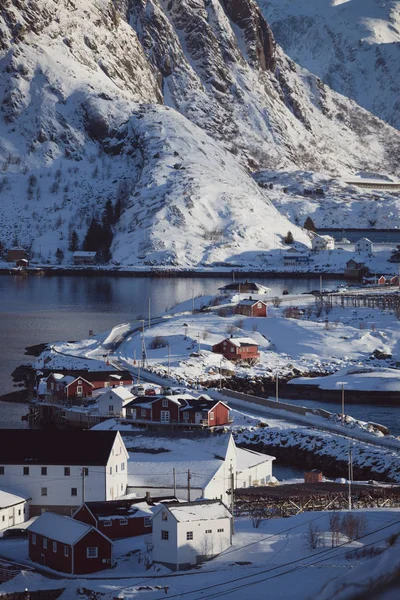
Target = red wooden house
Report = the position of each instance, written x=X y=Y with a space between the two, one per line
x=156 y=409
x=70 y=385
x=69 y=546
x=119 y=519
x=382 y=280
x=205 y=411
x=245 y=349
x=251 y=308
x=394 y=280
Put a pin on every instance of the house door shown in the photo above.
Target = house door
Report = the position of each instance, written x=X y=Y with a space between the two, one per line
x=165 y=416
x=133 y=414
x=42 y=559
x=197 y=417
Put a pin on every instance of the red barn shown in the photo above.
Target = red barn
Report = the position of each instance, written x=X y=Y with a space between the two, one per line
x=119 y=519
x=204 y=411
x=69 y=546
x=245 y=349
x=251 y=308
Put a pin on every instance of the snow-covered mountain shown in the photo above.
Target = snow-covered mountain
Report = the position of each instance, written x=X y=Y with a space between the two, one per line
x=82 y=84
x=352 y=45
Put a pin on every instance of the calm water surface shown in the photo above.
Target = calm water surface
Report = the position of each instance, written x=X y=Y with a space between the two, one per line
x=49 y=309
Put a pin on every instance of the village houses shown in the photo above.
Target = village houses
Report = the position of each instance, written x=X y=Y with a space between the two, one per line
x=185 y=534
x=72 y=386
x=60 y=469
x=251 y=308
x=322 y=242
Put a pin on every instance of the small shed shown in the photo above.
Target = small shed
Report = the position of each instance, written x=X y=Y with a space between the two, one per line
x=313 y=476
x=23 y=263
x=14 y=509
x=189 y=532
x=84 y=258
x=251 y=308
x=69 y=546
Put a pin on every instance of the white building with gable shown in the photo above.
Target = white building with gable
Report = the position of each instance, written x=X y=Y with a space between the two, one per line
x=253 y=468
x=322 y=242
x=189 y=532
x=60 y=469
x=112 y=401
x=364 y=246
x=14 y=509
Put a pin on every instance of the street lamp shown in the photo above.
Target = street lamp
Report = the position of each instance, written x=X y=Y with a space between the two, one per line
x=276 y=387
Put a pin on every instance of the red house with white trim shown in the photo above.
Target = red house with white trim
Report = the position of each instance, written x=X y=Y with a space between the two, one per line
x=69 y=385
x=251 y=308
x=233 y=349
x=205 y=411
x=69 y=546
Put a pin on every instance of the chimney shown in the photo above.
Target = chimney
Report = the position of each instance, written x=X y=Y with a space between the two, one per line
x=148 y=497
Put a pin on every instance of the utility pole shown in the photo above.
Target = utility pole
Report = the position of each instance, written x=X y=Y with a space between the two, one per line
x=342 y=403
x=174 y=476
x=277 y=387
x=189 y=477
x=232 y=482
x=220 y=374
x=192 y=300
x=169 y=358
x=149 y=311
x=350 y=473
x=320 y=284
x=198 y=342
x=83 y=484
x=144 y=353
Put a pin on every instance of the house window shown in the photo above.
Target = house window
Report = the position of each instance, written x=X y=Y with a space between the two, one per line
x=259 y=305
x=74 y=491
x=54 y=546
x=45 y=543
x=34 y=539
x=165 y=402
x=186 y=416
x=85 y=471
x=1 y=470
x=143 y=412
x=110 y=470
x=26 y=470
x=66 y=550
x=147 y=521
x=189 y=535
x=107 y=523
x=44 y=491
x=67 y=471
x=79 y=390
x=123 y=521
x=232 y=349
x=164 y=535
x=111 y=408
x=43 y=471
x=80 y=382
x=122 y=466
x=19 y=512
x=208 y=530
x=164 y=516
x=92 y=552
x=116 y=468
x=211 y=415
x=220 y=530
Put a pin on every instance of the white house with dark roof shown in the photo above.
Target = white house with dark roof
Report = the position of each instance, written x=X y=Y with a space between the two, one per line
x=186 y=533
x=60 y=469
x=14 y=509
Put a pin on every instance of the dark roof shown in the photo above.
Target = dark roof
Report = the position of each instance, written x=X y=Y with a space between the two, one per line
x=197 y=404
x=242 y=285
x=91 y=375
x=112 y=508
x=55 y=447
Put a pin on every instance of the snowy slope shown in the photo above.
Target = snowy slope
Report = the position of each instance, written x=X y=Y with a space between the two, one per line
x=73 y=134
x=353 y=46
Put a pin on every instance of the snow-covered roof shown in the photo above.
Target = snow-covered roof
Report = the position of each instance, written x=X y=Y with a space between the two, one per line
x=61 y=377
x=244 y=341
x=60 y=528
x=10 y=499
x=363 y=239
x=83 y=254
x=250 y=458
x=202 y=454
x=249 y=302
x=204 y=510
x=120 y=391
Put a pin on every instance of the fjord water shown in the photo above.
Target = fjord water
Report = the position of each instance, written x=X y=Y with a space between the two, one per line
x=48 y=309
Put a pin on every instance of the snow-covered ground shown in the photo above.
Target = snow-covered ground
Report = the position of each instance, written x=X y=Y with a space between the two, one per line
x=274 y=556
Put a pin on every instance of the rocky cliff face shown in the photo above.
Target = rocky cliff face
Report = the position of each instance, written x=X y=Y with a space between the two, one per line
x=74 y=76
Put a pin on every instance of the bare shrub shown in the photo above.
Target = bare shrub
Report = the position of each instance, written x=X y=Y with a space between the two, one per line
x=239 y=323
x=276 y=301
x=314 y=537
x=231 y=328
x=373 y=326
x=326 y=326
x=292 y=312
x=258 y=515
x=353 y=526
x=254 y=327
x=224 y=311
x=158 y=342
x=206 y=335
x=361 y=325
x=334 y=527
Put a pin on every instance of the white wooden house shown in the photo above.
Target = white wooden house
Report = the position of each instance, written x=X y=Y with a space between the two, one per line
x=294 y=257
x=14 y=509
x=322 y=242
x=60 y=469
x=189 y=532
x=364 y=246
x=112 y=401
